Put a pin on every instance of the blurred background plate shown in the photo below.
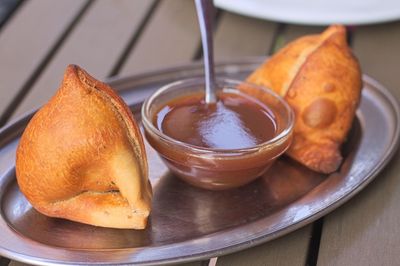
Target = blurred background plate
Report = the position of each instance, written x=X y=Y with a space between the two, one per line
x=316 y=12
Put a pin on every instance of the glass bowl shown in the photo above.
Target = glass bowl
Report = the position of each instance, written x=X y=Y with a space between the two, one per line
x=213 y=168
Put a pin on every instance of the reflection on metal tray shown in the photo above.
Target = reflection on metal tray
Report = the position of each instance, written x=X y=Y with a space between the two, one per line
x=188 y=223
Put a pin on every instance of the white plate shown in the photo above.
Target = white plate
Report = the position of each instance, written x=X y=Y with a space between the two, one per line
x=316 y=12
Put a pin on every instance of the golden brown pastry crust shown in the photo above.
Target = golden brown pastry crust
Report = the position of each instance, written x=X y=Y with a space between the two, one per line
x=82 y=157
x=321 y=80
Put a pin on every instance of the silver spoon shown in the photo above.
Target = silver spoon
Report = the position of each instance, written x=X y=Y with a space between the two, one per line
x=205 y=14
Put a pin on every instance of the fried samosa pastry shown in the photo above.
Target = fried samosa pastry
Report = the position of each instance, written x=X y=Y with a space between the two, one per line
x=321 y=80
x=82 y=157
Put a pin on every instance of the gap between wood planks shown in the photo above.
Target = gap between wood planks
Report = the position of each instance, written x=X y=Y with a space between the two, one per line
x=8 y=14
x=316 y=231
x=38 y=71
x=9 y=10
x=131 y=43
x=4 y=261
x=52 y=52
x=130 y=47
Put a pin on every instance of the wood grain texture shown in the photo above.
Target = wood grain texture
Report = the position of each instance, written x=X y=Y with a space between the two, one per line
x=288 y=250
x=27 y=38
x=292 y=32
x=366 y=231
x=17 y=263
x=296 y=244
x=95 y=44
x=171 y=37
x=239 y=36
x=377 y=48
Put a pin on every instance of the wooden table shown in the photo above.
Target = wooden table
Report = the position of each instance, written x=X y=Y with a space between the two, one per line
x=126 y=37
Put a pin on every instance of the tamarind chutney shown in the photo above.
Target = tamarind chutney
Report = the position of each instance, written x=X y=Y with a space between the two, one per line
x=233 y=122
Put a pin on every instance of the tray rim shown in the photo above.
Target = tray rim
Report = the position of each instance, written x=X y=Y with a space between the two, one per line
x=239 y=246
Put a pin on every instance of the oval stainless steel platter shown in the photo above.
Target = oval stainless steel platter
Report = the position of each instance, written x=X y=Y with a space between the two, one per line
x=188 y=223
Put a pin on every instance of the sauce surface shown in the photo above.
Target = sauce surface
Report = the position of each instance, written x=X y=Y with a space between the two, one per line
x=233 y=122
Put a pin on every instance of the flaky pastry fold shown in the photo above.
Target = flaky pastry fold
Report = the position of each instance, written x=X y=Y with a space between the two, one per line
x=82 y=157
x=321 y=80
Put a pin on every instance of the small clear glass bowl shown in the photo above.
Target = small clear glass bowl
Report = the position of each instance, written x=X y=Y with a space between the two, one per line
x=211 y=168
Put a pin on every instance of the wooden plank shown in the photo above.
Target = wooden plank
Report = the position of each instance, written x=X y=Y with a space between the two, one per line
x=290 y=249
x=366 y=230
x=26 y=39
x=17 y=263
x=110 y=31
x=29 y=36
x=95 y=44
x=292 y=32
x=239 y=36
x=287 y=250
x=7 y=7
x=377 y=48
x=171 y=37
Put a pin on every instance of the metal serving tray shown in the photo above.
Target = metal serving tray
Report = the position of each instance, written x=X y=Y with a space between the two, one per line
x=188 y=223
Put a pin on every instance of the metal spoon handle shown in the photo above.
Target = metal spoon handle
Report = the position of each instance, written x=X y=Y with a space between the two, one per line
x=205 y=13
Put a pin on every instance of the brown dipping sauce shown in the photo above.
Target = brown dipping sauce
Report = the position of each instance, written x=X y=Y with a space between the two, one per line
x=235 y=121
